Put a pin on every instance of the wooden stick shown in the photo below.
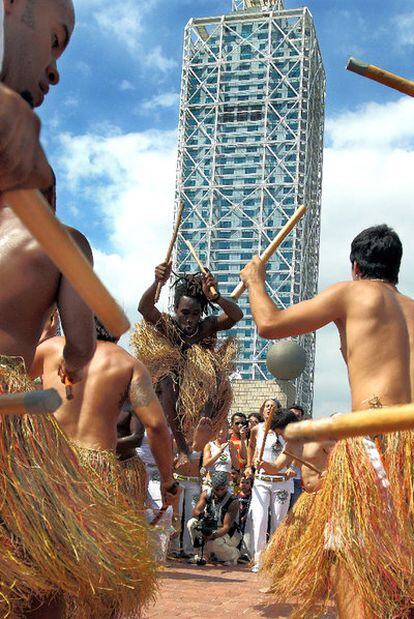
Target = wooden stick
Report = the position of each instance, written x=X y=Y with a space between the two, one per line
x=273 y=246
x=36 y=215
x=32 y=402
x=200 y=264
x=362 y=423
x=380 y=75
x=171 y=246
x=308 y=464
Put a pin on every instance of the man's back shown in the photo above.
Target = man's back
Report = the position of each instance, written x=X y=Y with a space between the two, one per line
x=30 y=284
x=377 y=337
x=90 y=418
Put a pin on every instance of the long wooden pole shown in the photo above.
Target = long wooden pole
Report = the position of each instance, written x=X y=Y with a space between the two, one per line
x=32 y=402
x=381 y=75
x=36 y=215
x=362 y=423
x=171 y=245
x=273 y=246
x=200 y=264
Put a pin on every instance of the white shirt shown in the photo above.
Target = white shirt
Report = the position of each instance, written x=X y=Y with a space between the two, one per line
x=1 y=33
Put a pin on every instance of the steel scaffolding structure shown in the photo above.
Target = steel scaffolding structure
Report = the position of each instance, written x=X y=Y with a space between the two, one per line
x=250 y=151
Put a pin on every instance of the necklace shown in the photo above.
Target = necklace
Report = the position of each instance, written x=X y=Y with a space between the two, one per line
x=184 y=334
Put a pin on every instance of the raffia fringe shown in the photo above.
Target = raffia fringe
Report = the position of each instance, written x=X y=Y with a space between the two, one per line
x=202 y=373
x=353 y=520
x=70 y=538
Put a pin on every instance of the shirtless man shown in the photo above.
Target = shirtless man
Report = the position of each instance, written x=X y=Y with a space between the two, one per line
x=376 y=327
x=191 y=328
x=112 y=377
x=312 y=458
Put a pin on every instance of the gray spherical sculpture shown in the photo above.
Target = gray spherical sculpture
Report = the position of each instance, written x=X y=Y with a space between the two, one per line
x=286 y=360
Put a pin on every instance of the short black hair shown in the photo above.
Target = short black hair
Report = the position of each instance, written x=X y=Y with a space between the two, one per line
x=281 y=418
x=102 y=333
x=191 y=286
x=258 y=416
x=297 y=407
x=377 y=251
x=242 y=415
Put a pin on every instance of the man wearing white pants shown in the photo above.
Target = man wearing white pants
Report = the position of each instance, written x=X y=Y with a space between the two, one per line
x=269 y=491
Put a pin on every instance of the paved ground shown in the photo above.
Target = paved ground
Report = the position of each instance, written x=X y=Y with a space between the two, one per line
x=192 y=592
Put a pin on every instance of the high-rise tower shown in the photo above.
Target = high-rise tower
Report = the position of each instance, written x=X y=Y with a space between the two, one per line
x=250 y=152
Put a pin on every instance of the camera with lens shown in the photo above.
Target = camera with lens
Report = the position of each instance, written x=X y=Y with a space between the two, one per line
x=206 y=526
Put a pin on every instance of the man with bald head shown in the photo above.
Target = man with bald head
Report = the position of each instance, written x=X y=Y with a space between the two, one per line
x=36 y=33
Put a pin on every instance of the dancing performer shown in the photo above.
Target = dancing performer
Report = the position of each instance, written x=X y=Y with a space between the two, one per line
x=55 y=540
x=358 y=540
x=89 y=419
x=131 y=431
x=189 y=368
x=22 y=161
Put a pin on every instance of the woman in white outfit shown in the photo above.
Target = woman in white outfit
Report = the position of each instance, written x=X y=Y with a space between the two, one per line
x=220 y=455
x=270 y=492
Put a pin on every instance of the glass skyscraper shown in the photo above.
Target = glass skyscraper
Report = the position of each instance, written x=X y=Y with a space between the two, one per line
x=250 y=152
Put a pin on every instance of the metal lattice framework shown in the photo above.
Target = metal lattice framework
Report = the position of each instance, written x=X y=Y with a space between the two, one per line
x=240 y=5
x=250 y=151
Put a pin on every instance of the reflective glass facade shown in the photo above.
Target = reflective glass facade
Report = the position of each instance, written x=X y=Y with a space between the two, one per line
x=250 y=152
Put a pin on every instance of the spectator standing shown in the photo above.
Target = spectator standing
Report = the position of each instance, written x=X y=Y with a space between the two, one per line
x=270 y=492
x=221 y=454
x=245 y=497
x=239 y=437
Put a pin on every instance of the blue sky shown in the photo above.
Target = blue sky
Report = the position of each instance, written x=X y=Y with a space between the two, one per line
x=109 y=129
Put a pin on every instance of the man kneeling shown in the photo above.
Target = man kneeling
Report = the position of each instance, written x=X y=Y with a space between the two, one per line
x=214 y=528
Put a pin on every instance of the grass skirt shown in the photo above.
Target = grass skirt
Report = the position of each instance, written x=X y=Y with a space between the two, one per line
x=200 y=373
x=121 y=480
x=69 y=538
x=355 y=519
x=133 y=481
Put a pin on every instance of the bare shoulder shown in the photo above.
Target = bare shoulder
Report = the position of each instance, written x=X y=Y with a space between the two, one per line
x=81 y=240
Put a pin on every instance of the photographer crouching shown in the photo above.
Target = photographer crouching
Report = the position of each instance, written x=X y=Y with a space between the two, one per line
x=214 y=529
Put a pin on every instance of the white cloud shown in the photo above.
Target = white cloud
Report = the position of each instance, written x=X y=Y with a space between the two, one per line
x=126 y=85
x=368 y=180
x=155 y=59
x=164 y=100
x=123 y=23
x=130 y=180
x=404 y=24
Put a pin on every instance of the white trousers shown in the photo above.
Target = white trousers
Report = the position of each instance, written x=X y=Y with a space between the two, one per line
x=190 y=493
x=265 y=495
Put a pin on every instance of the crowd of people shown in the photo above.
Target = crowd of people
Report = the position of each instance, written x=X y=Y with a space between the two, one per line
x=75 y=543
x=227 y=474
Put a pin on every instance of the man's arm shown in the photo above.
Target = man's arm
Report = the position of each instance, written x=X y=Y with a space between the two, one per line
x=303 y=317
x=134 y=439
x=148 y=410
x=232 y=313
x=228 y=521
x=22 y=161
x=201 y=505
x=77 y=322
x=146 y=305
x=272 y=468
